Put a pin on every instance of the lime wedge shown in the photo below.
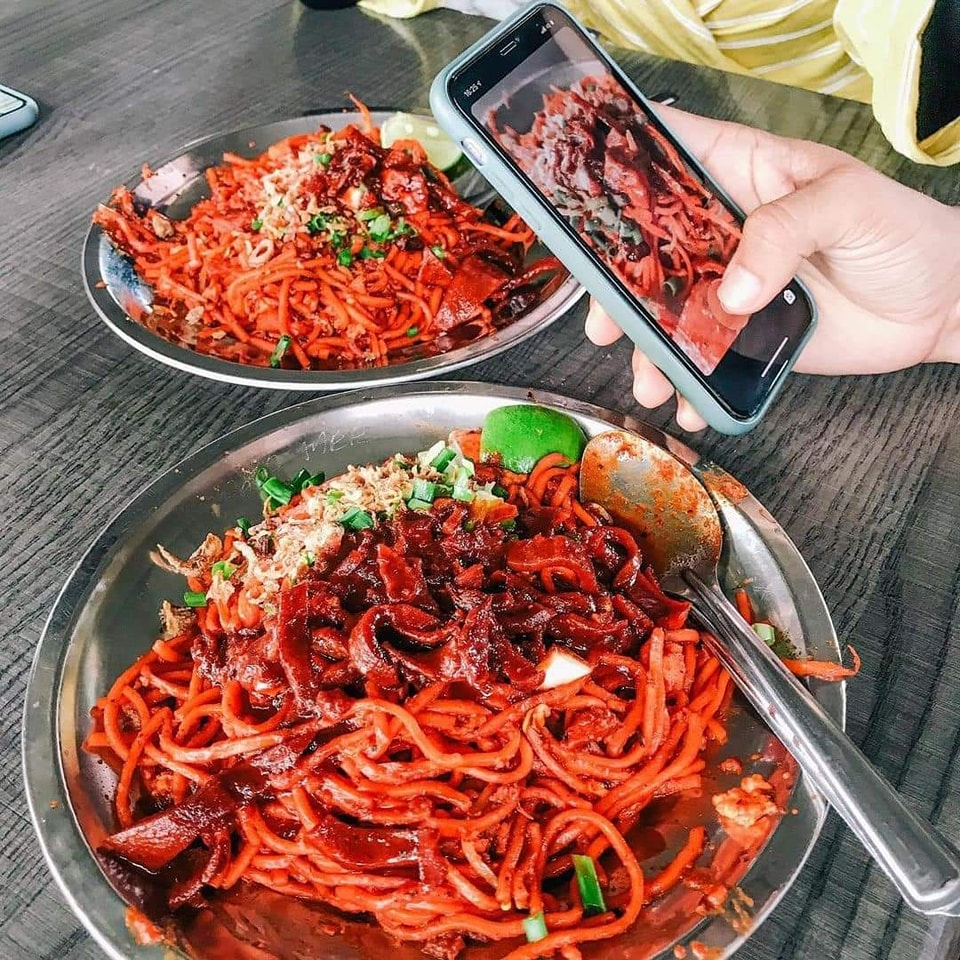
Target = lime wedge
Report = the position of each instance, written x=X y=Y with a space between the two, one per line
x=519 y=435
x=442 y=152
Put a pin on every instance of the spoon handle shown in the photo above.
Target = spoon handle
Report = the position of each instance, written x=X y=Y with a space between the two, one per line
x=924 y=868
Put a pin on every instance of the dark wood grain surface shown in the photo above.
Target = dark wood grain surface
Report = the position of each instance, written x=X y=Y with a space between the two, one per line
x=862 y=472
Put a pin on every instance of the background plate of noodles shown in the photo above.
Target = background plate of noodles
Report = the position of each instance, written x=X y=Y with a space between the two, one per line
x=329 y=263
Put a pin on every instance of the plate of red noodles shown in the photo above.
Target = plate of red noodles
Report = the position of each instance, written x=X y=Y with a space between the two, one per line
x=350 y=680
x=305 y=255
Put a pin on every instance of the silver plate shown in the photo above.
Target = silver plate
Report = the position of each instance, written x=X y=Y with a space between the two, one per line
x=118 y=294
x=106 y=615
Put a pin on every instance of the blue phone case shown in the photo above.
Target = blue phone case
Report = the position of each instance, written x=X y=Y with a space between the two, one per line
x=18 y=119
x=642 y=329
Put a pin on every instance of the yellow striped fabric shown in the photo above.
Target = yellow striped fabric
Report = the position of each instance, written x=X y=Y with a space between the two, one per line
x=867 y=50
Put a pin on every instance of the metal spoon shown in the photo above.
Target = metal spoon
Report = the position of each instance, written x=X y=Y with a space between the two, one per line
x=660 y=500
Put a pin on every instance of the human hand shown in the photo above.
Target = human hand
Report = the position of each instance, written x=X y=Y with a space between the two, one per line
x=882 y=261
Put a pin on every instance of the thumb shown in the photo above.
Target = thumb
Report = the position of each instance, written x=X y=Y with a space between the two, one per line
x=777 y=236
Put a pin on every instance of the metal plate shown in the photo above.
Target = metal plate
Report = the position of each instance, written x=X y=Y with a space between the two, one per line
x=106 y=616
x=119 y=295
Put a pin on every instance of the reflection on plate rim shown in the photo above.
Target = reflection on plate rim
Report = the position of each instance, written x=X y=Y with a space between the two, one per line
x=164 y=351
x=65 y=848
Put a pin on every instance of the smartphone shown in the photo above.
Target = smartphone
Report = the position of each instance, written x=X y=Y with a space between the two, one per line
x=564 y=135
x=17 y=111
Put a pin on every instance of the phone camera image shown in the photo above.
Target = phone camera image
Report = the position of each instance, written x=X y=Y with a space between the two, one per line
x=624 y=188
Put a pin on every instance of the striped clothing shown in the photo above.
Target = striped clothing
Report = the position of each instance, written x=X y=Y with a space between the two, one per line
x=867 y=50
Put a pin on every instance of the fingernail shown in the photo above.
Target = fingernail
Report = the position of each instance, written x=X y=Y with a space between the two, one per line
x=739 y=290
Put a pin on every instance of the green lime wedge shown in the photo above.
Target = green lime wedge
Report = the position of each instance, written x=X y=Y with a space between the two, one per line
x=442 y=152
x=519 y=435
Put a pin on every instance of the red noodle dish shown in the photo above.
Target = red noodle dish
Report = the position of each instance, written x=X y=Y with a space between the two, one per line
x=624 y=187
x=329 y=251
x=433 y=694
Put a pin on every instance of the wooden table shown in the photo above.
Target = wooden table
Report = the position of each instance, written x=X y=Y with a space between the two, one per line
x=863 y=472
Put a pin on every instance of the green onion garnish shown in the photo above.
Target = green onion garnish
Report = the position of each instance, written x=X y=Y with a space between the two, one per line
x=194 y=598
x=766 y=633
x=223 y=569
x=591 y=896
x=469 y=525
x=244 y=524
x=499 y=491
x=274 y=487
x=535 y=927
x=412 y=331
x=308 y=557
x=403 y=229
x=314 y=481
x=256 y=224
x=442 y=460
x=333 y=496
x=508 y=525
x=337 y=239
x=379 y=227
x=357 y=519
x=438 y=251
x=414 y=503
x=323 y=159
x=370 y=214
x=299 y=480
x=345 y=258
x=424 y=490
x=283 y=345
x=367 y=254
x=464 y=494
x=442 y=490
x=316 y=223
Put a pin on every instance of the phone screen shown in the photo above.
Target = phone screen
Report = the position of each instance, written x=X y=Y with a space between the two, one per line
x=634 y=199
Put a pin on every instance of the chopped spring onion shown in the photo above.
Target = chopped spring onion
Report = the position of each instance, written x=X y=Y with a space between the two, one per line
x=412 y=331
x=194 y=598
x=438 y=251
x=766 y=633
x=223 y=569
x=535 y=927
x=274 y=487
x=379 y=227
x=414 y=504
x=333 y=496
x=283 y=345
x=442 y=460
x=499 y=491
x=256 y=224
x=345 y=258
x=367 y=254
x=443 y=490
x=424 y=490
x=591 y=896
x=308 y=557
x=464 y=494
x=299 y=479
x=469 y=525
x=316 y=223
x=508 y=525
x=356 y=519
x=673 y=286
x=370 y=214
x=244 y=524
x=337 y=239
x=323 y=159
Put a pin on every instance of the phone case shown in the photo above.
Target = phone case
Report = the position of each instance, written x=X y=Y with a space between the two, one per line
x=537 y=213
x=18 y=120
